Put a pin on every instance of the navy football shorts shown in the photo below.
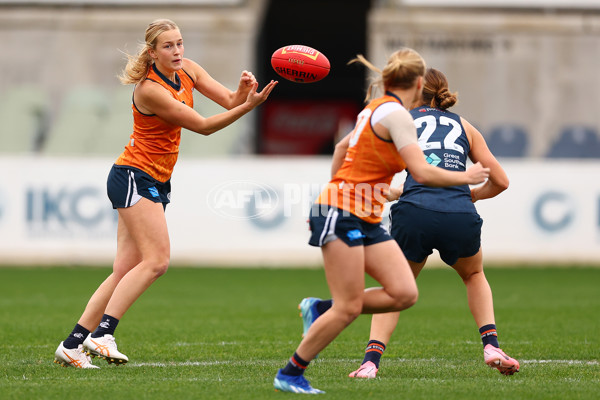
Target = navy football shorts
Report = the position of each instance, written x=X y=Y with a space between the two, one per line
x=329 y=223
x=127 y=185
x=418 y=231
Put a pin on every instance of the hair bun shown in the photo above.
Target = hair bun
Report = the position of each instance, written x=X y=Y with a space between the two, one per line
x=445 y=99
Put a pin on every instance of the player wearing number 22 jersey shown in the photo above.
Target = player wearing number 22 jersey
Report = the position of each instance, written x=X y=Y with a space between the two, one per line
x=443 y=139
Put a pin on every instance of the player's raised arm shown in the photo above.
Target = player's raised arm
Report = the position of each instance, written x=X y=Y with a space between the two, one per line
x=155 y=100
x=214 y=90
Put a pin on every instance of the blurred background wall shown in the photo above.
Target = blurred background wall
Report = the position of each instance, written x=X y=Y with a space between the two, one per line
x=525 y=76
x=59 y=94
x=526 y=73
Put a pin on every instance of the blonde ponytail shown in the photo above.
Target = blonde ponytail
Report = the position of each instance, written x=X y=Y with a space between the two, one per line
x=137 y=67
x=401 y=71
x=375 y=82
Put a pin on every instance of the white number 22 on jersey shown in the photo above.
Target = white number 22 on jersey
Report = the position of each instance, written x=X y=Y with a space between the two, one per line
x=430 y=123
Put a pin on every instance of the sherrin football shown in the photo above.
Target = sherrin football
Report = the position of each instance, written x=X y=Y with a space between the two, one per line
x=299 y=63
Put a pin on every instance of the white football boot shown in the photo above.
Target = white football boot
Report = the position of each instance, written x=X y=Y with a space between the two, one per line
x=72 y=357
x=104 y=347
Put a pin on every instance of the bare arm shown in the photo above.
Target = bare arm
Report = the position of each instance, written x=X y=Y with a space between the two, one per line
x=151 y=98
x=402 y=130
x=427 y=174
x=214 y=90
x=339 y=153
x=498 y=180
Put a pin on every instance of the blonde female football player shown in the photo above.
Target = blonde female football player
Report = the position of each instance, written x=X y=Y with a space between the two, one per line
x=139 y=182
x=346 y=218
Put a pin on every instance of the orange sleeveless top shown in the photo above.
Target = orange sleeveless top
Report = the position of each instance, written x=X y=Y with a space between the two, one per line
x=360 y=185
x=154 y=144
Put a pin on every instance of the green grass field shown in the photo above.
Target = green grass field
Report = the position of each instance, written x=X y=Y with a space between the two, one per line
x=223 y=333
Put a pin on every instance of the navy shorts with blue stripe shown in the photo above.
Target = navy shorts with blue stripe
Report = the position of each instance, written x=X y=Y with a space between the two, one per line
x=127 y=185
x=418 y=231
x=329 y=223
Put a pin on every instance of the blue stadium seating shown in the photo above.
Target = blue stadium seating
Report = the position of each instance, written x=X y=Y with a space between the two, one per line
x=576 y=142
x=508 y=141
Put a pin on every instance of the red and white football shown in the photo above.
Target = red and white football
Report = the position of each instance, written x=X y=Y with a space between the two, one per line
x=299 y=63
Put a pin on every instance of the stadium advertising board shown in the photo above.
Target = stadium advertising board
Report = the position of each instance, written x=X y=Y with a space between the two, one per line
x=304 y=127
x=253 y=211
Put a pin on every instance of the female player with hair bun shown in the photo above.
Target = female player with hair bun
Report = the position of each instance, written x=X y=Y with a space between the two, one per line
x=139 y=183
x=346 y=218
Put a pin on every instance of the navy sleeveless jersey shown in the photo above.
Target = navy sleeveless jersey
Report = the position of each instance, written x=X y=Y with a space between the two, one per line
x=444 y=142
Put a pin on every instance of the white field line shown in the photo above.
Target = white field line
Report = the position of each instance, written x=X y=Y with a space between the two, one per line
x=223 y=343
x=402 y=360
x=185 y=364
x=586 y=362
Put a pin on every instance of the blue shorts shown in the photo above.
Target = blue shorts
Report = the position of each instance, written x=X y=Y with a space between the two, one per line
x=127 y=185
x=329 y=223
x=418 y=231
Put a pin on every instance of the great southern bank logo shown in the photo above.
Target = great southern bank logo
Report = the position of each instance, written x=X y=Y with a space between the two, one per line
x=433 y=159
x=243 y=200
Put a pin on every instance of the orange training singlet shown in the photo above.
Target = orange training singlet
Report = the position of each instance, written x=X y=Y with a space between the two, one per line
x=363 y=180
x=154 y=144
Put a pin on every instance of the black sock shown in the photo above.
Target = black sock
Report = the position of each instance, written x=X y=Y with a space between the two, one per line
x=489 y=335
x=296 y=366
x=76 y=337
x=373 y=352
x=323 y=306
x=107 y=326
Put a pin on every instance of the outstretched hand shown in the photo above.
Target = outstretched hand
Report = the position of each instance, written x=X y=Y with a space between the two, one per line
x=256 y=98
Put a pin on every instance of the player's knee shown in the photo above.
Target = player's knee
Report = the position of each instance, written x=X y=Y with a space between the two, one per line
x=161 y=266
x=158 y=264
x=406 y=298
x=469 y=275
x=412 y=297
x=349 y=311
